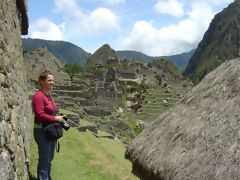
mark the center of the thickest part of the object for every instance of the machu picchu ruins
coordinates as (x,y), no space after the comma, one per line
(108,84)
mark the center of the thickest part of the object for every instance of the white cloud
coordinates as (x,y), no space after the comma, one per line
(79,22)
(66,6)
(171,7)
(172,39)
(100,20)
(91,24)
(45,29)
(113,2)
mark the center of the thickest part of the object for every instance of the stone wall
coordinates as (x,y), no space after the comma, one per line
(105,94)
(15,109)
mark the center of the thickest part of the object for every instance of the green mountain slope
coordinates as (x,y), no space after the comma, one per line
(66,52)
(168,67)
(69,53)
(101,56)
(221,42)
(180,60)
(135,55)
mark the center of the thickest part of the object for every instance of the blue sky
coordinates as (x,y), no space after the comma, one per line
(154,27)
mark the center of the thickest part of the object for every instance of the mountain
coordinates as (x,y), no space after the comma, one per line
(167,67)
(220,42)
(69,53)
(135,55)
(101,56)
(66,52)
(199,137)
(180,60)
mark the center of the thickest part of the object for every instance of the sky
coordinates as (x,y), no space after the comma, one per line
(153,27)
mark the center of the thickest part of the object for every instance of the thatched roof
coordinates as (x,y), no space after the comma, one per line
(198,138)
(22,8)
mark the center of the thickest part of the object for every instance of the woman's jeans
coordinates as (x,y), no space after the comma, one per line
(45,154)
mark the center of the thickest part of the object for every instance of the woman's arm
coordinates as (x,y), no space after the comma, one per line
(38,106)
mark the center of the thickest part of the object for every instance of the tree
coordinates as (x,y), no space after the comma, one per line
(72,70)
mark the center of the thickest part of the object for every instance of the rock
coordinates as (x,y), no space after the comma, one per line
(165,84)
(159,79)
(165,101)
(6,169)
(2,78)
(120,110)
(97,111)
(168,90)
(129,104)
(135,107)
(141,123)
(93,129)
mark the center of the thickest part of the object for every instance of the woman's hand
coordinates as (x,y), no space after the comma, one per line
(59,118)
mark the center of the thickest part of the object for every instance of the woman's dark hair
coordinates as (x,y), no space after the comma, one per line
(43,75)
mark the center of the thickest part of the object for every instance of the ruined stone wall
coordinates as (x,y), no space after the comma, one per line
(126,75)
(103,93)
(15,108)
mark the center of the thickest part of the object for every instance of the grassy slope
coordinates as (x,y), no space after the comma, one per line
(82,156)
(153,104)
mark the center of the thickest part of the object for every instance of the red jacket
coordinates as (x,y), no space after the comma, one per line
(44,107)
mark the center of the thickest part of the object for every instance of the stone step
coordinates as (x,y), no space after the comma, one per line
(70,88)
(85,94)
(150,111)
(160,104)
(147,109)
(147,117)
(162,95)
(160,100)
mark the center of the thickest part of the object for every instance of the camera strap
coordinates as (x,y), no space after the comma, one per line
(57,146)
(53,105)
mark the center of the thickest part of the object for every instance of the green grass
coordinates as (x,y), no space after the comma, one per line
(82,156)
(64,111)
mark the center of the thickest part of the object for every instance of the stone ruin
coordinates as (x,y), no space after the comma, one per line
(100,94)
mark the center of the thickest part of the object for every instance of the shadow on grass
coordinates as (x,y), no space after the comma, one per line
(32,177)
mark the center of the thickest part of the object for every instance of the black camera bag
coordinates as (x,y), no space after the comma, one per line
(53,131)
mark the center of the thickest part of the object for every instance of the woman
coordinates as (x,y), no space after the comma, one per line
(45,111)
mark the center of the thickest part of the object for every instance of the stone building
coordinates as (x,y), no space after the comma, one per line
(125,74)
(110,75)
(112,60)
(15,109)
